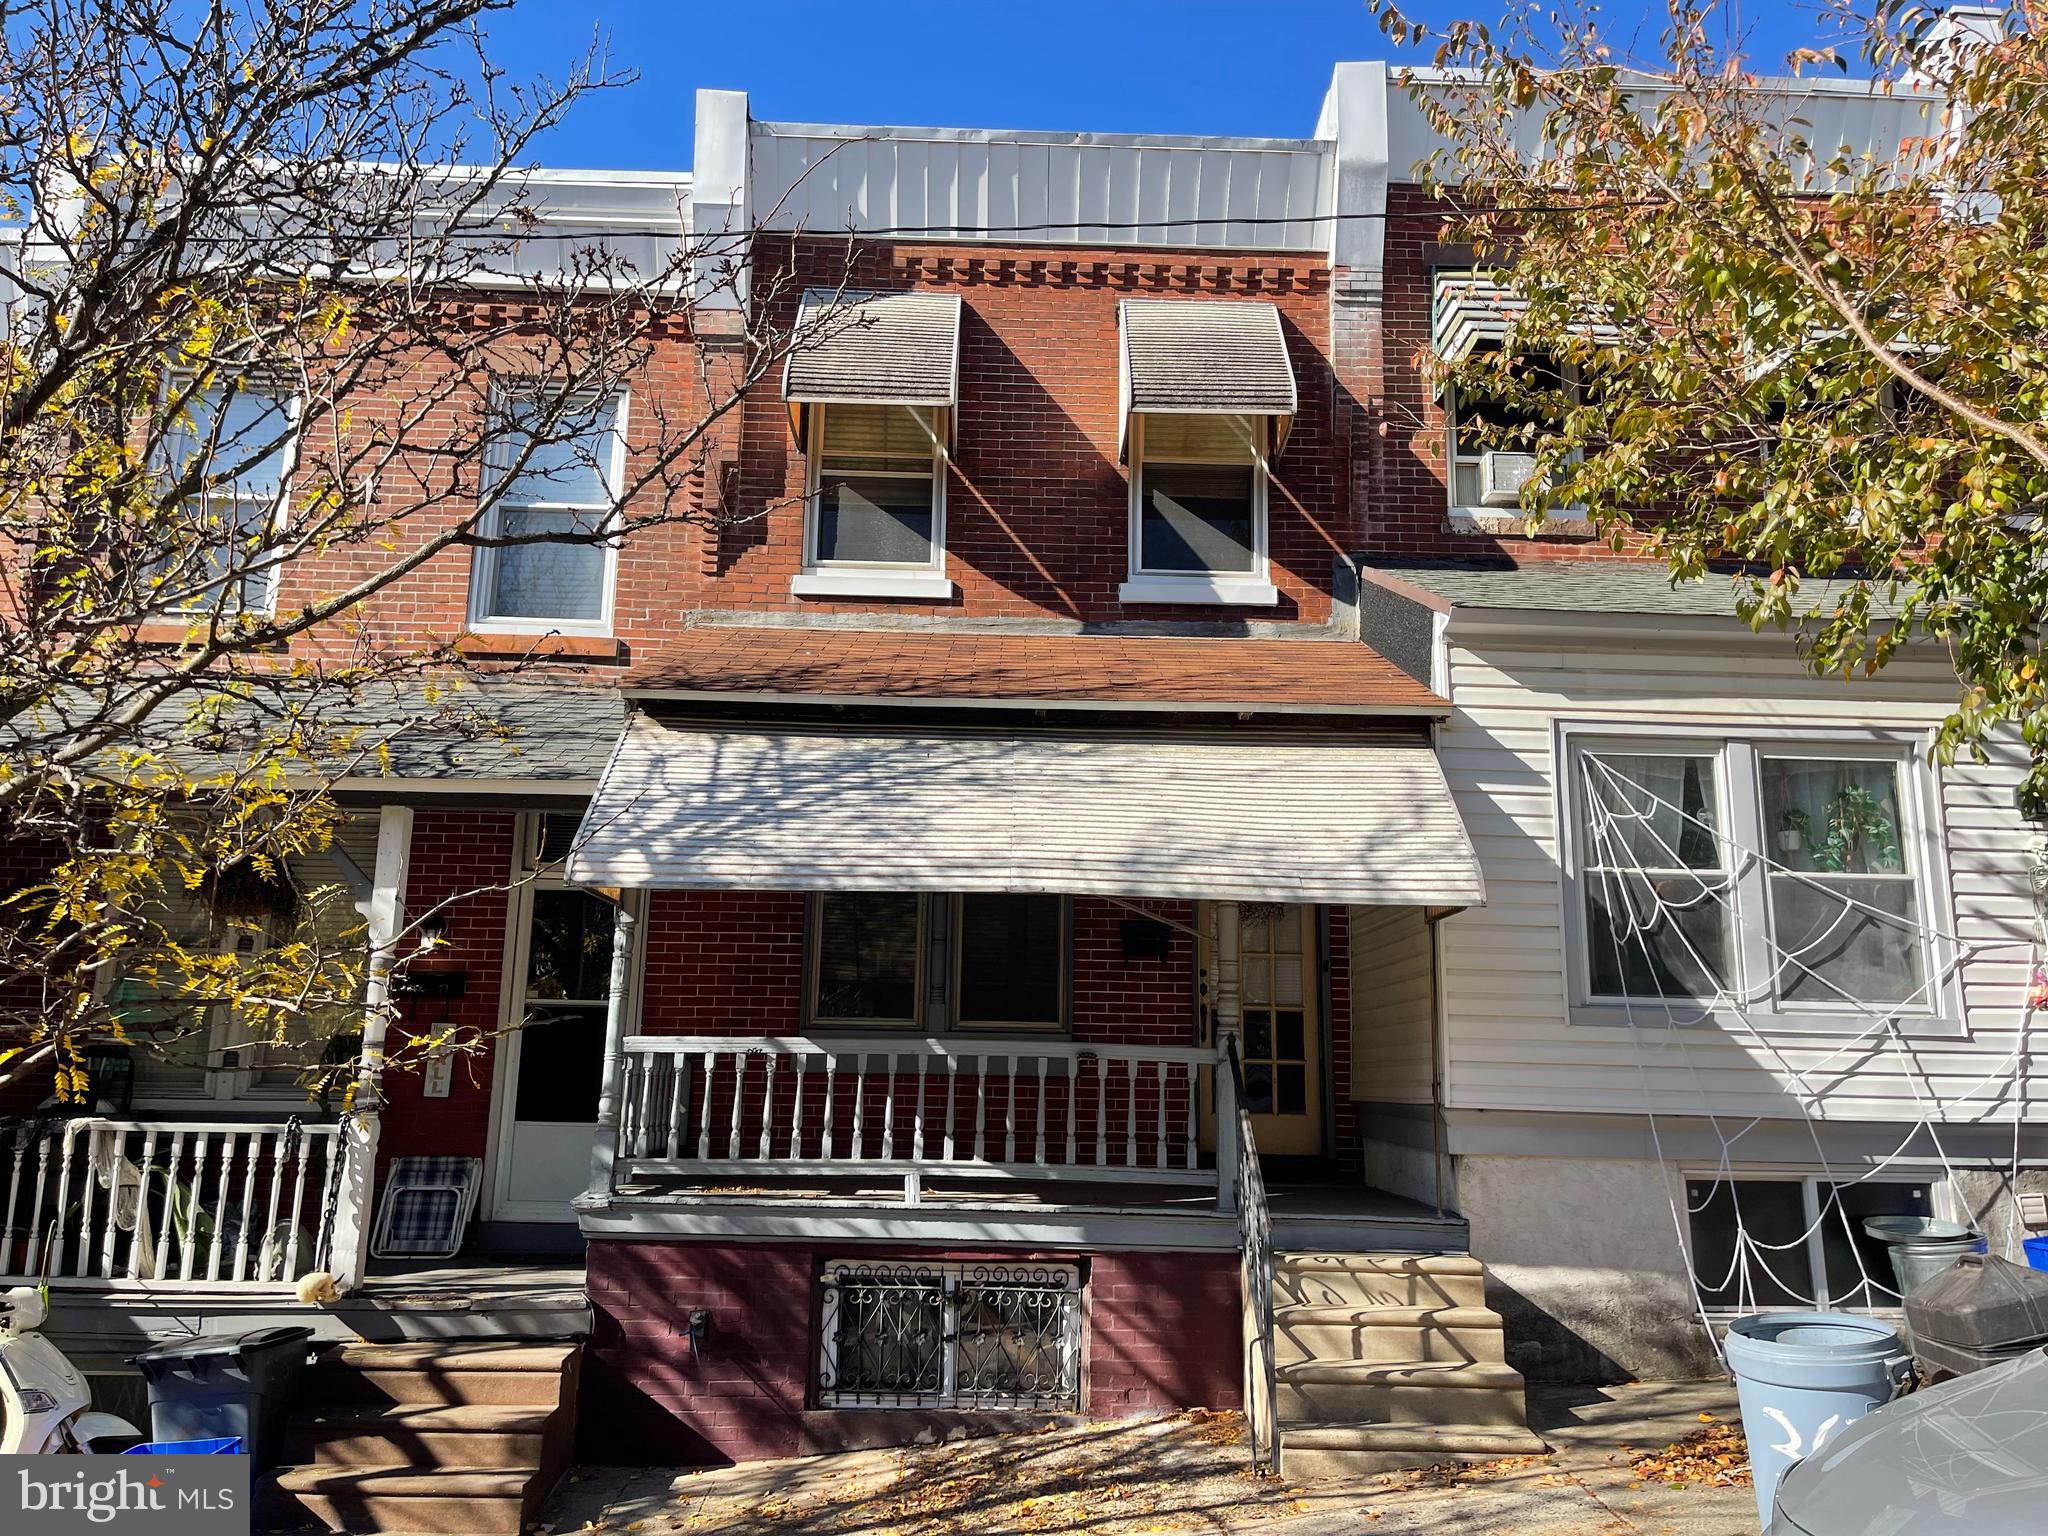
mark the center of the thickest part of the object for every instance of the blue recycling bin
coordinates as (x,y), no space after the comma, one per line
(226,1445)
(1802,1376)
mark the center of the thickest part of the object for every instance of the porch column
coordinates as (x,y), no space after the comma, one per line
(349,1247)
(604,1145)
(1229,1007)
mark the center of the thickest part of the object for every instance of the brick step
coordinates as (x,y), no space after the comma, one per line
(1481,1395)
(507,1436)
(419,1501)
(1387,1334)
(1310,1451)
(1379,1279)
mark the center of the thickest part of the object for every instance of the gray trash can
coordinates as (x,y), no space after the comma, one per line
(1801,1376)
(1922,1247)
(244,1385)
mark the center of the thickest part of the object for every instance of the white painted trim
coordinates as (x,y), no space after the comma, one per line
(1237,591)
(842,581)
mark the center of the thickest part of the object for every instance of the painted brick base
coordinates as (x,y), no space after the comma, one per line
(1162,1334)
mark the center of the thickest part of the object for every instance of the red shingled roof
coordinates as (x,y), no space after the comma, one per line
(1129,671)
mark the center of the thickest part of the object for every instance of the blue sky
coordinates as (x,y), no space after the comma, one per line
(1164,66)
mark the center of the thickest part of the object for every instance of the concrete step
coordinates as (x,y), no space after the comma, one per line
(1310,1451)
(1481,1395)
(444,1374)
(1380,1279)
(505,1436)
(419,1501)
(1387,1334)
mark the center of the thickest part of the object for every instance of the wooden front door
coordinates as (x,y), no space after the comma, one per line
(1283,1033)
(1283,1046)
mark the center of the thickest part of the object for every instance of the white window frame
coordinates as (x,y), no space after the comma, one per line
(1941,1203)
(1938,1010)
(1253,588)
(483,569)
(933,1014)
(949,1277)
(923,579)
(294,409)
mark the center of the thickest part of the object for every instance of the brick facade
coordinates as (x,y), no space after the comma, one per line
(1162,1332)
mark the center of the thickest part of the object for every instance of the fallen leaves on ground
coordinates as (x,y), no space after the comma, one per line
(1715,1454)
(1451,1474)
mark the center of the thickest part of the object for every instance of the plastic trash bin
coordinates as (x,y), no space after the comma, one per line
(2037,1252)
(1922,1247)
(1982,1311)
(211,1388)
(230,1445)
(1801,1376)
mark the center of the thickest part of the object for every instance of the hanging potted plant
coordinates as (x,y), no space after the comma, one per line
(1795,831)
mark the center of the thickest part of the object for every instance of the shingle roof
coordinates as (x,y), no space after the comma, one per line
(954,667)
(893,348)
(1563,586)
(1205,355)
(526,732)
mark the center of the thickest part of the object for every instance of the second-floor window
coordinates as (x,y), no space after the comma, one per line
(1492,447)
(552,477)
(219,545)
(877,498)
(1198,501)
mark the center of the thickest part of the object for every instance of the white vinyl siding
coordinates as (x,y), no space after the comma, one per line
(1393,1005)
(1510,1040)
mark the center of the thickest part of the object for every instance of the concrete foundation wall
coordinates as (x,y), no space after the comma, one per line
(1584,1264)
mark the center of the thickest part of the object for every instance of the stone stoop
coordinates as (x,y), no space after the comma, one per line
(426,1439)
(1388,1361)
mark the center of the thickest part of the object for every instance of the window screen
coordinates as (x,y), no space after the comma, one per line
(1011,959)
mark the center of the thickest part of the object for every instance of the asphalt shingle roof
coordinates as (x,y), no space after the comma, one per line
(1564,586)
(954,667)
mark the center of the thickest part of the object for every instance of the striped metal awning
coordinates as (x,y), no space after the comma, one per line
(862,348)
(1255,816)
(1204,357)
(1476,309)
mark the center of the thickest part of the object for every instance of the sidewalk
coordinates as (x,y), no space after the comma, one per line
(1189,1473)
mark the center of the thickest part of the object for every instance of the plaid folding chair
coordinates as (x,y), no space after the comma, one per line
(426,1207)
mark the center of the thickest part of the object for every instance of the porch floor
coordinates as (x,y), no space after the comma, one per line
(1319,1216)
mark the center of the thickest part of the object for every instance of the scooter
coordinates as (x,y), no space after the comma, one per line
(43,1399)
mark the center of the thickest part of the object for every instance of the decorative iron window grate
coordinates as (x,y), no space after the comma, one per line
(951,1336)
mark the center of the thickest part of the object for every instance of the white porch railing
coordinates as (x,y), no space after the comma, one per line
(169,1204)
(696,1106)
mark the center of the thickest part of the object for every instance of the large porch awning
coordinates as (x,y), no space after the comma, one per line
(1260,816)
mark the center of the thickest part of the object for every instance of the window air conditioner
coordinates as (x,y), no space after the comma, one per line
(1502,476)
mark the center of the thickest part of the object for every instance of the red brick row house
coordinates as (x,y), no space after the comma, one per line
(939,935)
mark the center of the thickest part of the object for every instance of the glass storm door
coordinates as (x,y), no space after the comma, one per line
(1283,1079)
(554,1052)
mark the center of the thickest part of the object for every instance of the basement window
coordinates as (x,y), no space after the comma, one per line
(973,1336)
(1790,1241)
